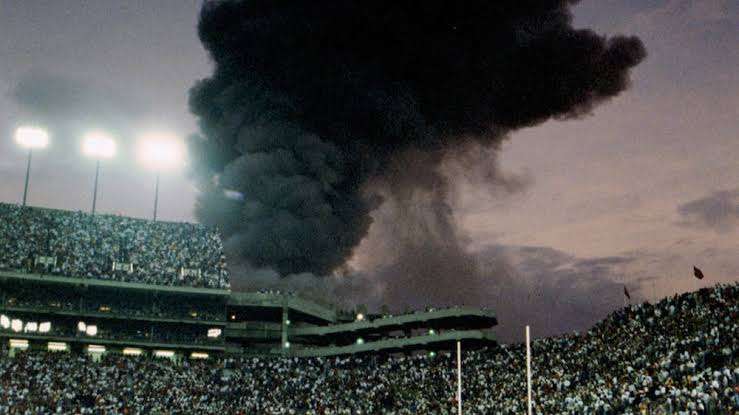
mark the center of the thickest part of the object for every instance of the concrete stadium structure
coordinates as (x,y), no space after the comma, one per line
(180,322)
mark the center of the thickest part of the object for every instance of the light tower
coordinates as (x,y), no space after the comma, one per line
(30,138)
(160,151)
(98,145)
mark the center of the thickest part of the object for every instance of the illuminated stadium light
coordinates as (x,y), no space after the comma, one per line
(432,354)
(95,348)
(91,330)
(360,340)
(31,137)
(104,309)
(287,322)
(160,150)
(44,327)
(18,344)
(81,326)
(57,346)
(163,353)
(432,332)
(31,327)
(233,316)
(199,355)
(16,325)
(360,317)
(98,145)
(286,345)
(4,321)
(132,351)
(214,333)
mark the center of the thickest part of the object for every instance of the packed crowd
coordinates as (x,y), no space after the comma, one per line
(76,244)
(678,356)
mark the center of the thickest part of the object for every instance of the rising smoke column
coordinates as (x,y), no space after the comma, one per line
(314,106)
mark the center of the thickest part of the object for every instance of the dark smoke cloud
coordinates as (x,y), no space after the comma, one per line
(320,112)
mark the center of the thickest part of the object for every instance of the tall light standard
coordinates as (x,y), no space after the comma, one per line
(99,146)
(30,138)
(160,151)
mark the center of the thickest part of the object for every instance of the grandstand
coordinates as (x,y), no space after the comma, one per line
(115,284)
(144,338)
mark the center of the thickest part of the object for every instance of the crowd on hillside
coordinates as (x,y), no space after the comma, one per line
(76,244)
(675,357)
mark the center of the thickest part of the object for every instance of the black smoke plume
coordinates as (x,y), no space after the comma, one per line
(318,112)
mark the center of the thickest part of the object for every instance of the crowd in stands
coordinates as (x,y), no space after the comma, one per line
(76,244)
(678,356)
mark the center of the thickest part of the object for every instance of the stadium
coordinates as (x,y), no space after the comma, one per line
(96,318)
(361,157)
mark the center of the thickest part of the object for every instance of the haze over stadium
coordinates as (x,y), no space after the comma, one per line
(545,227)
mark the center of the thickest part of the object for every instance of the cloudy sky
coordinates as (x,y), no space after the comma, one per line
(634,193)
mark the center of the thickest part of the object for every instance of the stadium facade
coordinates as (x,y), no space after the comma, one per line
(109,284)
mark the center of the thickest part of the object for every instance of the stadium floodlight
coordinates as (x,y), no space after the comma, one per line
(31,327)
(360,317)
(160,151)
(4,321)
(286,345)
(432,332)
(360,340)
(57,346)
(16,325)
(81,326)
(198,355)
(432,354)
(98,145)
(44,327)
(91,330)
(30,138)
(214,333)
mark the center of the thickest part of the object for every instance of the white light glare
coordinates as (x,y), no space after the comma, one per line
(161,150)
(16,325)
(98,145)
(31,327)
(198,355)
(18,344)
(4,321)
(81,326)
(44,327)
(163,353)
(57,346)
(213,333)
(95,348)
(132,351)
(92,330)
(31,137)
(360,317)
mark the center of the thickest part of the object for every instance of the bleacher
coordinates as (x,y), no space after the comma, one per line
(109,247)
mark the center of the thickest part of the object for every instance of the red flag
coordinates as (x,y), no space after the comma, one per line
(626,293)
(698,273)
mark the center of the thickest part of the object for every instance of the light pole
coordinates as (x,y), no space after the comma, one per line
(160,151)
(99,146)
(30,138)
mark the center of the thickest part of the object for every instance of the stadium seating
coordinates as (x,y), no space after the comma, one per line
(80,245)
(678,356)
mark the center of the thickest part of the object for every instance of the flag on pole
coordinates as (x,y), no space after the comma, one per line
(697,273)
(626,293)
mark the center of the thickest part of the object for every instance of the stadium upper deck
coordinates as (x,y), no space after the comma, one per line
(108,247)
